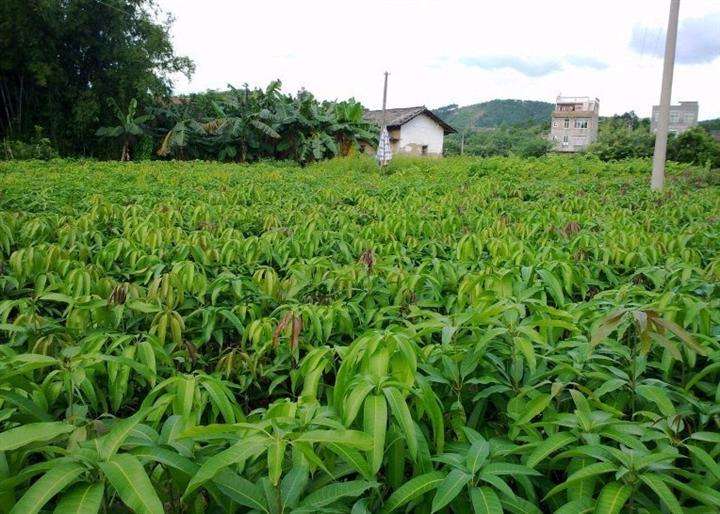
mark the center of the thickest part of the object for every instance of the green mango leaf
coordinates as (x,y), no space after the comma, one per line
(82,499)
(332,493)
(663,492)
(485,501)
(31,433)
(533,408)
(449,488)
(659,397)
(110,443)
(375,425)
(353,438)
(598,468)
(549,446)
(240,490)
(706,460)
(477,455)
(50,484)
(412,489)
(401,413)
(129,479)
(553,285)
(612,498)
(293,484)
(236,453)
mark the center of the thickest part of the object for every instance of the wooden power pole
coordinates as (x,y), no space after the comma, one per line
(658,172)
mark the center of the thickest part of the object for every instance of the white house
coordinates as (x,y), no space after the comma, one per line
(412,130)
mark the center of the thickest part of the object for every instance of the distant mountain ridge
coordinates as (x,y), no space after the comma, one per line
(496,113)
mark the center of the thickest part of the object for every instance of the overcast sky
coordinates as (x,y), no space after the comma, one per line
(453,51)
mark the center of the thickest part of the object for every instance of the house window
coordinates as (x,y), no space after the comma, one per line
(565,140)
(567,122)
(424,149)
(581,124)
(555,124)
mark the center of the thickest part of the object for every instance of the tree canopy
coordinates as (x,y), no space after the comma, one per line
(61,61)
(250,124)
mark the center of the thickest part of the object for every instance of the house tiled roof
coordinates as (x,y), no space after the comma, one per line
(396,117)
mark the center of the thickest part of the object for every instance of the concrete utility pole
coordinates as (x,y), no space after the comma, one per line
(384,99)
(658,171)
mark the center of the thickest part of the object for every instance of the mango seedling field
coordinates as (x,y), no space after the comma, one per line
(456,336)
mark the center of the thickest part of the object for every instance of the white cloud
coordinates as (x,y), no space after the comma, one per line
(698,40)
(528,67)
(584,61)
(338,49)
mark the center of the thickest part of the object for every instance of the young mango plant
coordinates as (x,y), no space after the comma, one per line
(453,335)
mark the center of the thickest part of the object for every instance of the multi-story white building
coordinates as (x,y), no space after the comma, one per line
(682,117)
(574,123)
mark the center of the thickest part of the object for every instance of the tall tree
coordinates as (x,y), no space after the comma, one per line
(60,61)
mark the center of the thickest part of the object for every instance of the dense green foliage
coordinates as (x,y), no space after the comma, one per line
(61,61)
(713,124)
(627,136)
(623,136)
(248,125)
(695,146)
(457,335)
(89,76)
(38,147)
(498,128)
(131,125)
(522,141)
(497,113)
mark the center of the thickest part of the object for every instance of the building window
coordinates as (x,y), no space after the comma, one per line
(565,140)
(674,117)
(424,149)
(555,124)
(581,124)
(567,122)
(689,117)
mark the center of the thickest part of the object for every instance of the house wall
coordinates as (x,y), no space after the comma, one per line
(418,132)
(410,138)
(394,135)
(682,117)
(394,139)
(577,138)
(581,114)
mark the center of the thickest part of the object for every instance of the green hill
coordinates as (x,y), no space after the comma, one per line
(496,113)
(713,124)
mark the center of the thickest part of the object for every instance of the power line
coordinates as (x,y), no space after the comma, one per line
(114,7)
